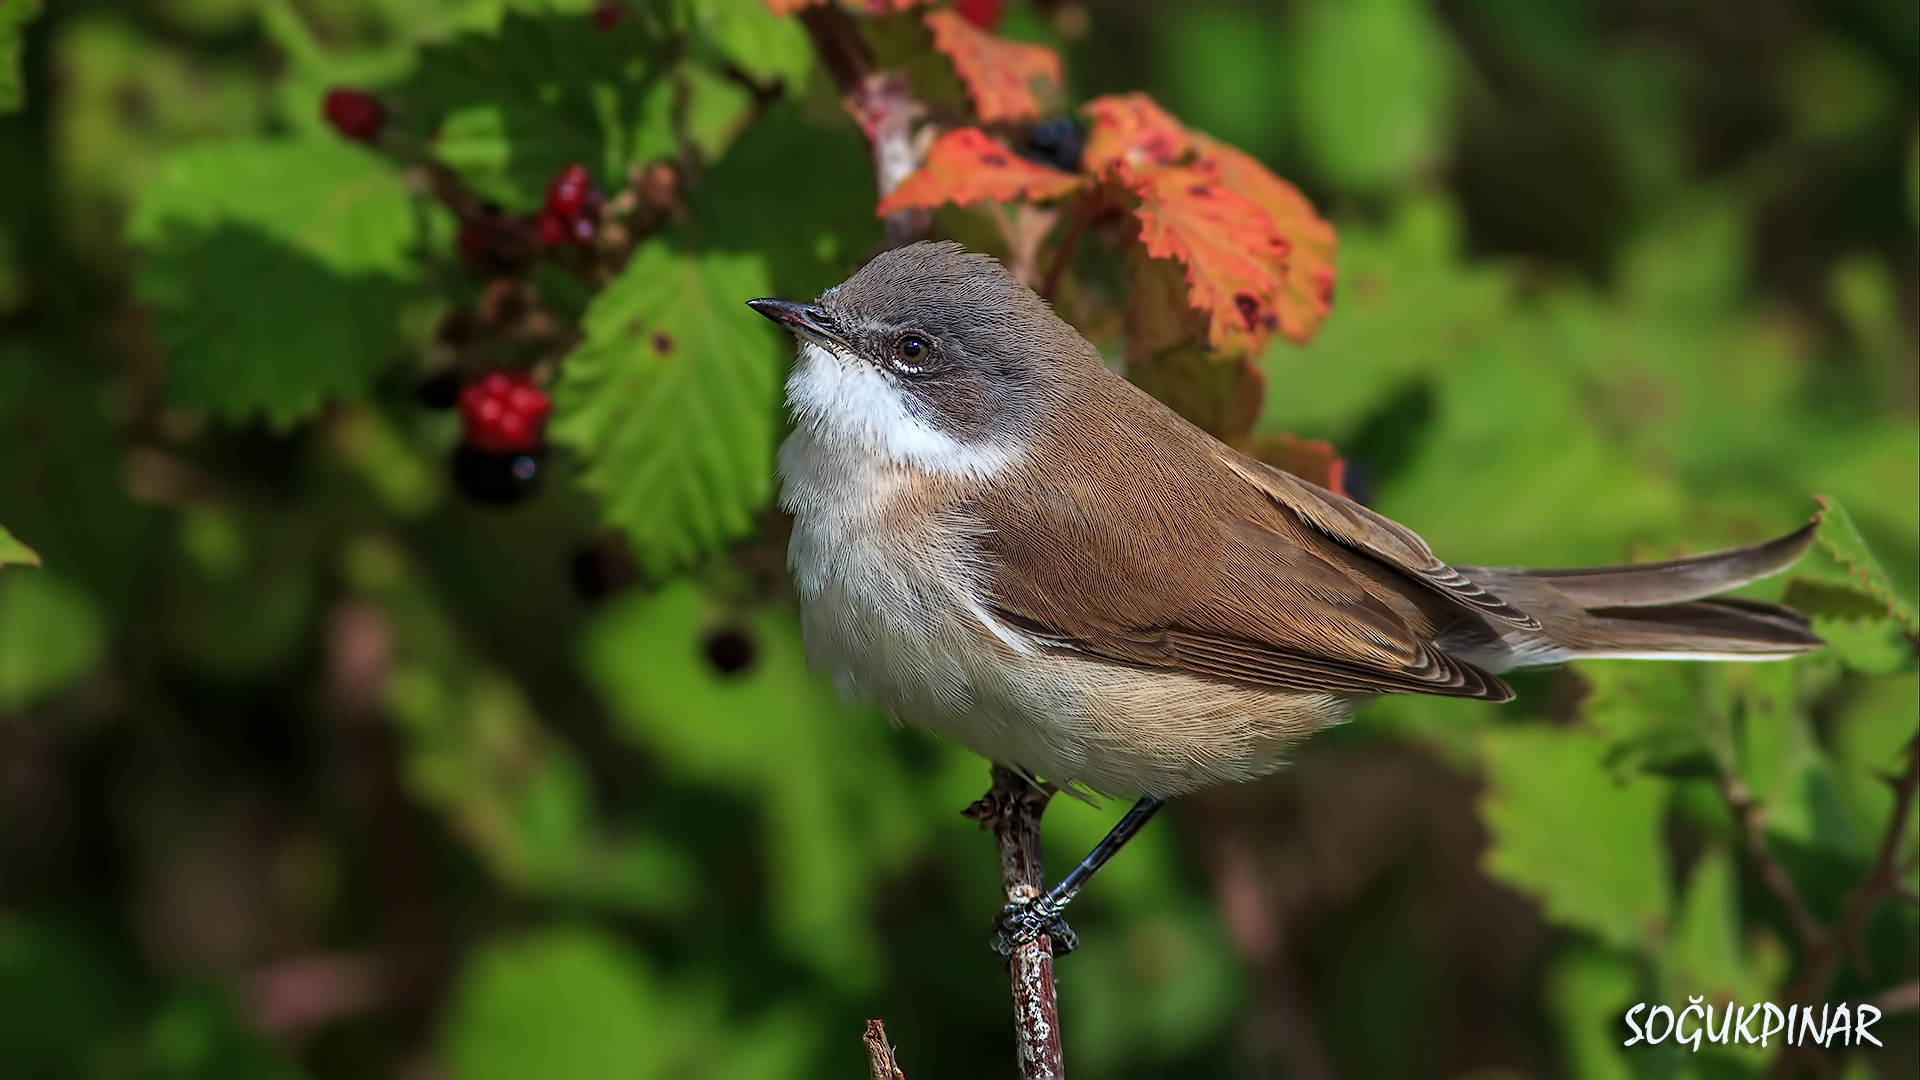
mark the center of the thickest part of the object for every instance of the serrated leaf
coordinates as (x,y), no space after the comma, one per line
(1840,537)
(50,635)
(15,553)
(966,166)
(1564,830)
(1307,296)
(671,402)
(1234,257)
(508,110)
(758,41)
(252,326)
(1129,134)
(14,16)
(1007,80)
(342,205)
(1706,957)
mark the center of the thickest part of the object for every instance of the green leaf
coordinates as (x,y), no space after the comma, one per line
(1840,538)
(340,204)
(15,553)
(252,326)
(50,636)
(14,16)
(1707,956)
(1566,831)
(571,1003)
(838,808)
(1652,716)
(509,110)
(822,167)
(58,998)
(764,46)
(671,402)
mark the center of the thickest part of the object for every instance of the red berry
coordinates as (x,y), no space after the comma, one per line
(354,113)
(553,229)
(984,14)
(608,16)
(582,231)
(504,413)
(568,191)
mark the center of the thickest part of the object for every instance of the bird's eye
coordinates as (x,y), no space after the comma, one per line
(912,351)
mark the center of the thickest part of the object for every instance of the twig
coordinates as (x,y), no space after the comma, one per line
(1753,830)
(1085,209)
(882,103)
(1012,809)
(1898,999)
(881,1062)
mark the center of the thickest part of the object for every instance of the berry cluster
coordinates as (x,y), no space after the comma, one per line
(572,210)
(503,418)
(355,114)
(1054,142)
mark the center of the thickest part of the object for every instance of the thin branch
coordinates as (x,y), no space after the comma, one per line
(1012,809)
(882,1064)
(1880,882)
(1086,208)
(1753,830)
(882,103)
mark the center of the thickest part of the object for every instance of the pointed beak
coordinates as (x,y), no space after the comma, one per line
(806,320)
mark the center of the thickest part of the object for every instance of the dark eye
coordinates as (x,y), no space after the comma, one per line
(912,350)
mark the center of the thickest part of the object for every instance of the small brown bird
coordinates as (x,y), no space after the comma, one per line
(997,538)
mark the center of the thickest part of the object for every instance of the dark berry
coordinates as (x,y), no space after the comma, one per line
(504,413)
(730,651)
(495,244)
(499,479)
(984,14)
(440,391)
(607,16)
(582,231)
(553,229)
(354,113)
(1054,142)
(568,191)
(472,243)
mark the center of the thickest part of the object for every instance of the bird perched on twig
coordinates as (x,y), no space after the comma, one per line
(997,538)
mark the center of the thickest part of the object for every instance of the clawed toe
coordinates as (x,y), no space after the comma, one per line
(1020,923)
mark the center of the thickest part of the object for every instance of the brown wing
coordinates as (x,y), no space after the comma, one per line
(1177,553)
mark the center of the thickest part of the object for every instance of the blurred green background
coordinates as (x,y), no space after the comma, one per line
(311,767)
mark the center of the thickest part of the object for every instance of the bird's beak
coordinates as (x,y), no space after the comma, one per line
(806,320)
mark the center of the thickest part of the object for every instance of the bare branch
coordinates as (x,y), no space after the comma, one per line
(1753,830)
(1012,809)
(881,1062)
(882,103)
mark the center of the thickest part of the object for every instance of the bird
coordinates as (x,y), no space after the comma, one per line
(999,539)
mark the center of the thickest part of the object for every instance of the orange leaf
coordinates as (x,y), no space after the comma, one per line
(966,167)
(1308,292)
(1309,459)
(1131,133)
(1234,256)
(1000,75)
(788,7)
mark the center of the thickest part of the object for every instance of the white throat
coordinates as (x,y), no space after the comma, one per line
(849,408)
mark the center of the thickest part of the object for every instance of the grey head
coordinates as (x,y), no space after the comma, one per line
(927,351)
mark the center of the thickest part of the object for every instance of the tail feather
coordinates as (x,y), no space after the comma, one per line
(1664,610)
(1674,581)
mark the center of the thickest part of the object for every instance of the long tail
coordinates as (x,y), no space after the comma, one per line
(1664,610)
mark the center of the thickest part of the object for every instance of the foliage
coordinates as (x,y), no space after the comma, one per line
(311,765)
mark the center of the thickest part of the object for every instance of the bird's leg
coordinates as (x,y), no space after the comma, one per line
(1021,923)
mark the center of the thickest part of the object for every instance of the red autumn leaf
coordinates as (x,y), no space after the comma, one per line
(966,167)
(1235,259)
(1130,133)
(1308,292)
(1309,459)
(1000,75)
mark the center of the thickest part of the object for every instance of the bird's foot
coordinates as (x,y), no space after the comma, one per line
(1023,922)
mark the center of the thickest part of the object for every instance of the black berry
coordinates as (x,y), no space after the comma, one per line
(1054,142)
